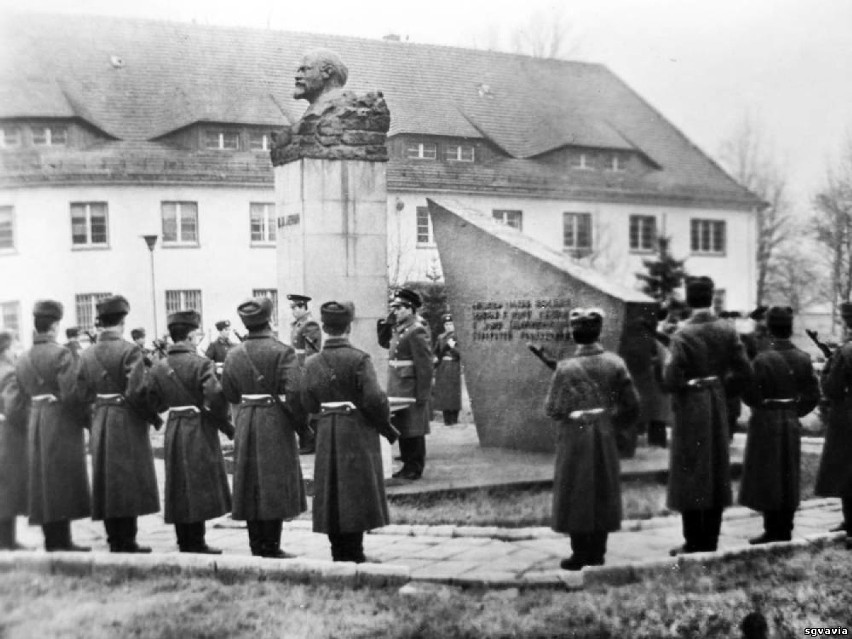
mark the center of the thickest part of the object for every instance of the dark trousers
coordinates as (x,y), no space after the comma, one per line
(121,532)
(57,535)
(191,536)
(7,534)
(589,548)
(413,453)
(450,417)
(657,434)
(264,535)
(701,529)
(778,524)
(846,502)
(347,547)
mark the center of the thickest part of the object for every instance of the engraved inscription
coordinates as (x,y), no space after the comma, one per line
(528,320)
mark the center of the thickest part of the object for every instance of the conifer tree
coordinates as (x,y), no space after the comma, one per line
(664,274)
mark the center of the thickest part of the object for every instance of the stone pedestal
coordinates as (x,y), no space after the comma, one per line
(332,241)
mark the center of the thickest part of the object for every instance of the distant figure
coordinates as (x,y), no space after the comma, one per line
(218,348)
(138,337)
(72,335)
(754,626)
(704,352)
(446,395)
(340,386)
(783,389)
(306,339)
(13,450)
(591,396)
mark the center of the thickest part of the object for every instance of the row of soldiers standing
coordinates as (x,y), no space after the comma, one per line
(50,396)
(593,397)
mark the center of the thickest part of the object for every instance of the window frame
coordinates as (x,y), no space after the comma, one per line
(576,216)
(639,248)
(86,319)
(48,131)
(4,143)
(459,155)
(6,250)
(14,310)
(269,230)
(419,212)
(89,244)
(183,305)
(502,216)
(616,164)
(714,237)
(265,292)
(179,243)
(221,137)
(266,142)
(581,162)
(421,151)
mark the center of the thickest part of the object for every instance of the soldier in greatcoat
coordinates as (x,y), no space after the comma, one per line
(704,352)
(72,335)
(261,375)
(783,389)
(13,449)
(446,395)
(340,385)
(410,375)
(186,385)
(43,386)
(219,347)
(834,477)
(591,396)
(113,377)
(306,339)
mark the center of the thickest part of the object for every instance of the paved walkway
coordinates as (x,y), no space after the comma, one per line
(460,555)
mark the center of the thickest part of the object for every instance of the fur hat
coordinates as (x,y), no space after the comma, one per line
(699,292)
(188,318)
(255,312)
(113,305)
(337,314)
(48,308)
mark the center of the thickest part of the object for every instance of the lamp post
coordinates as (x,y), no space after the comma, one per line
(151,241)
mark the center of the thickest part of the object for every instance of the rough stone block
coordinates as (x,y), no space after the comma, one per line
(609,575)
(76,564)
(129,566)
(34,561)
(198,565)
(381,575)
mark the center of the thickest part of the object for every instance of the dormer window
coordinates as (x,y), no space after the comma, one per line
(616,163)
(10,137)
(422,151)
(50,135)
(222,140)
(582,161)
(459,152)
(258,141)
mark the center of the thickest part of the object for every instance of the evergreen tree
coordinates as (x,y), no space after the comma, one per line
(664,274)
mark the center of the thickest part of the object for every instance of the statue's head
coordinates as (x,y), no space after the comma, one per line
(319,71)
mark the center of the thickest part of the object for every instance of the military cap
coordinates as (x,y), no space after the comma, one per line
(407,297)
(446,317)
(591,315)
(699,291)
(759,313)
(48,308)
(337,314)
(299,299)
(188,318)
(779,317)
(255,311)
(72,331)
(136,333)
(6,339)
(113,305)
(220,326)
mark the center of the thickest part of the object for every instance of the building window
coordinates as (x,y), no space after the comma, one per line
(89,224)
(7,228)
(10,315)
(616,163)
(458,153)
(50,135)
(86,308)
(515,219)
(180,222)
(272,294)
(422,151)
(577,233)
(183,301)
(10,137)
(222,140)
(258,141)
(262,216)
(424,226)
(643,233)
(708,237)
(582,161)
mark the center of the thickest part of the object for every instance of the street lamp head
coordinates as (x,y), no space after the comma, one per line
(151,241)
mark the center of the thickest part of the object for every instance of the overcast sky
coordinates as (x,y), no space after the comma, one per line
(703,64)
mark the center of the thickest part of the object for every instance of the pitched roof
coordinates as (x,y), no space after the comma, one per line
(174,74)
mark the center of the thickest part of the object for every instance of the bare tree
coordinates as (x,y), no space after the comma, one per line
(795,279)
(545,33)
(749,160)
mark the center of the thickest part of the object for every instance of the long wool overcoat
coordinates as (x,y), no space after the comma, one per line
(410,375)
(771,467)
(267,475)
(586,484)
(446,395)
(196,481)
(699,471)
(58,483)
(13,445)
(834,478)
(349,483)
(124,482)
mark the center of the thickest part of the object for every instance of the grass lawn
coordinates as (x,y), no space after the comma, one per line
(513,507)
(794,591)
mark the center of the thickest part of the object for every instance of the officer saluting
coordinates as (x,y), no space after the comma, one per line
(44,384)
(261,375)
(112,376)
(340,385)
(410,375)
(306,339)
(185,384)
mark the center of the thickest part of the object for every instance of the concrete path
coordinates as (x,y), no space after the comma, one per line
(458,555)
